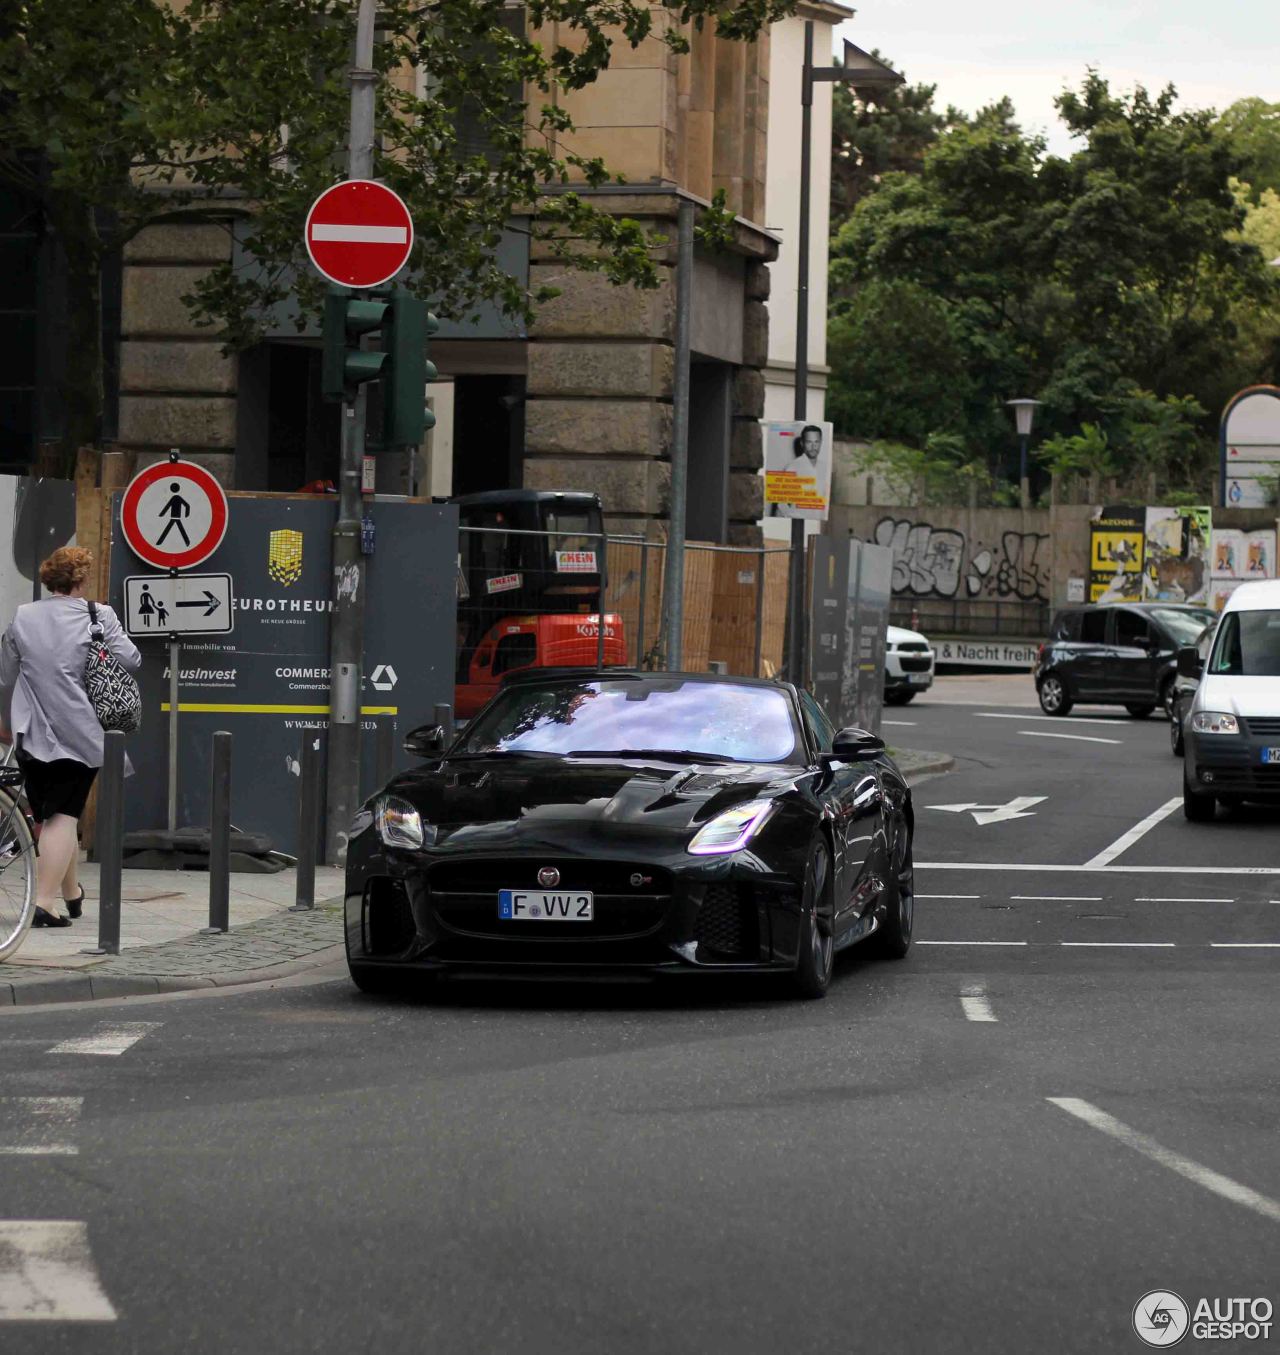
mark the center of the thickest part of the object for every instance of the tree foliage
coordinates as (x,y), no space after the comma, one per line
(1113,284)
(116,114)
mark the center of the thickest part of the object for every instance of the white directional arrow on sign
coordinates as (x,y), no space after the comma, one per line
(1017,808)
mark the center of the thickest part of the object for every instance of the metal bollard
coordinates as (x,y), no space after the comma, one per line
(304,899)
(110,843)
(384,750)
(443,716)
(220,837)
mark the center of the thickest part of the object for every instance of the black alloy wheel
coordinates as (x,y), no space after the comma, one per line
(1176,741)
(1054,697)
(893,940)
(1169,697)
(898,698)
(1196,806)
(817,940)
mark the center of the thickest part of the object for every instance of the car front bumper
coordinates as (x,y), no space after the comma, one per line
(1231,764)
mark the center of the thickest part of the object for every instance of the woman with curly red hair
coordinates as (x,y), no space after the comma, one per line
(42,658)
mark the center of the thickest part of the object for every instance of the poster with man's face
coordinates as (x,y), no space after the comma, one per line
(797,470)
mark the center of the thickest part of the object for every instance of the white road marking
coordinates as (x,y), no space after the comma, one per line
(107,1038)
(1123,945)
(900,724)
(38,1126)
(1166,1157)
(1126,840)
(1244,945)
(47,1273)
(1091,869)
(1079,738)
(971,943)
(1017,808)
(1057,719)
(1056,898)
(361,234)
(973,998)
(948,896)
(1184,900)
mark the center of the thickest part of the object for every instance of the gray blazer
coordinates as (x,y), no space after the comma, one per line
(42,677)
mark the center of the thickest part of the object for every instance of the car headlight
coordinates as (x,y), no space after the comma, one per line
(399,824)
(1214,722)
(732,830)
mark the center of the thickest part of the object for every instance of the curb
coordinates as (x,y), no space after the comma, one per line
(37,992)
(933,764)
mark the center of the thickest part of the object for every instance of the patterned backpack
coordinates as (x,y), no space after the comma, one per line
(113,693)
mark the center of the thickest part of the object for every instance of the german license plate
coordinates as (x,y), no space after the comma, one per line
(537,905)
(918,679)
(1271,755)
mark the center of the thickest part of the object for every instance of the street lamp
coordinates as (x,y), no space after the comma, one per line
(863,71)
(1024,414)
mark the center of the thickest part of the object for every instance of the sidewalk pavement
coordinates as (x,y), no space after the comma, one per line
(161,948)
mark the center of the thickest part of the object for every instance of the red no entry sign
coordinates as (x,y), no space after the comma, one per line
(359,233)
(174,515)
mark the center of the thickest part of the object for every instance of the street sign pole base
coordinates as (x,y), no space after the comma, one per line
(213,931)
(301,908)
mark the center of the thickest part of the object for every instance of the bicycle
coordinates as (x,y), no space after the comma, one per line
(17,862)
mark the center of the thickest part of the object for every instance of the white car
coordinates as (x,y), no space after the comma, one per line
(908,665)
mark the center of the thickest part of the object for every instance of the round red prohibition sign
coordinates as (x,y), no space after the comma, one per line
(174,515)
(359,233)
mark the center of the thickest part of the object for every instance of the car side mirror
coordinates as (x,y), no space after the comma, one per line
(1190,665)
(425,741)
(853,745)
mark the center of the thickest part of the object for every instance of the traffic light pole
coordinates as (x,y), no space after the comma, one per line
(347,584)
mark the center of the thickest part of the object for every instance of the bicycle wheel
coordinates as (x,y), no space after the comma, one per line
(17,876)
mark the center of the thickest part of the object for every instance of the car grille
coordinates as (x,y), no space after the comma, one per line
(464,897)
(913,647)
(728,926)
(1263,727)
(389,928)
(914,665)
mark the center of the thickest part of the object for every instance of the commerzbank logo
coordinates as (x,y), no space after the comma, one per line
(284,556)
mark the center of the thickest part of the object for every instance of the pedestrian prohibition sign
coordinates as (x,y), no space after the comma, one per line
(174,515)
(359,233)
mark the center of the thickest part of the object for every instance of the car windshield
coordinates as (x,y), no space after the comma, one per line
(1184,626)
(1248,645)
(612,718)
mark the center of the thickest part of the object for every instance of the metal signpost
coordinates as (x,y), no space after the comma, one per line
(174,516)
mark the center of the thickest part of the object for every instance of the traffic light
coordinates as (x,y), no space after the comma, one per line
(345,365)
(405,416)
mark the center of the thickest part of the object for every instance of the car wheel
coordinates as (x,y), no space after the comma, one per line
(897,698)
(1197,807)
(1141,711)
(817,941)
(893,940)
(1054,697)
(1176,741)
(1169,697)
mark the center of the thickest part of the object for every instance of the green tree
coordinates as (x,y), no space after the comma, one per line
(1253,128)
(116,114)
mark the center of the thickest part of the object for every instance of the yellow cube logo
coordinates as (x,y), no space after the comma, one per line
(284,556)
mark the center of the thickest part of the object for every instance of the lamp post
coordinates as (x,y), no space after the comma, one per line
(863,71)
(1024,414)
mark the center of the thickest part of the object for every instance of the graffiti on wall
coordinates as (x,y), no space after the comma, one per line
(933,561)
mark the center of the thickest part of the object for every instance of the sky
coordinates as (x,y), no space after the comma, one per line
(977,50)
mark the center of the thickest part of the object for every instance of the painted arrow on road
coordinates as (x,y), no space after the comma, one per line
(1017,808)
(209,602)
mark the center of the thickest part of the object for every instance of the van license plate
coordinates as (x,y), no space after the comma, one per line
(1271,755)
(535,905)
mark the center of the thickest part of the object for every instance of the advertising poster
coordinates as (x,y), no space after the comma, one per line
(1115,554)
(267,682)
(1260,554)
(1176,555)
(797,470)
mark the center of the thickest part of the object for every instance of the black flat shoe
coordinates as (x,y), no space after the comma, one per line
(47,919)
(75,906)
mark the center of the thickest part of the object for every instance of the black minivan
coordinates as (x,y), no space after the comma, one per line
(1116,654)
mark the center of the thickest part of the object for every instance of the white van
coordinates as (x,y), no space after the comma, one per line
(1232,732)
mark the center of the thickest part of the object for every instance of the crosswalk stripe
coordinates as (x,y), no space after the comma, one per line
(39,1126)
(107,1038)
(47,1273)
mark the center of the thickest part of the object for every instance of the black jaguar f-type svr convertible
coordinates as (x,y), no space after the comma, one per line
(629,821)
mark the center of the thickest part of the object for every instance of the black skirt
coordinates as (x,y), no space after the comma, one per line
(58,787)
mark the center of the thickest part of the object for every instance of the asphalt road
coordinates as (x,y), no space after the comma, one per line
(1064,1098)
